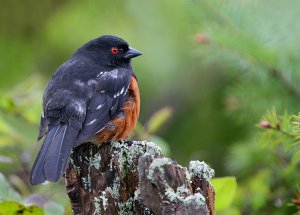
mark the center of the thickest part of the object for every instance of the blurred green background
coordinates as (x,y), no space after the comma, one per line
(211,70)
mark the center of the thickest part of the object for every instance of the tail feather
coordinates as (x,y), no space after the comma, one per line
(59,152)
(54,154)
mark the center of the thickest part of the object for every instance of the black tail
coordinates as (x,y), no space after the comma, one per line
(54,154)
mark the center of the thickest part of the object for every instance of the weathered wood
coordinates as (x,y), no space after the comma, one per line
(133,178)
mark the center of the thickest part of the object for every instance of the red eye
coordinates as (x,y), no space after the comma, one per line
(114,50)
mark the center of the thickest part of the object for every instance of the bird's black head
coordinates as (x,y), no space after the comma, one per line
(109,50)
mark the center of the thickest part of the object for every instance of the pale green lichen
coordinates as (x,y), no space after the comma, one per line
(128,154)
(115,188)
(184,195)
(187,175)
(179,195)
(201,170)
(97,206)
(104,200)
(171,195)
(101,200)
(126,208)
(157,164)
(137,194)
(76,167)
(96,161)
(86,182)
(197,199)
(152,148)
(183,190)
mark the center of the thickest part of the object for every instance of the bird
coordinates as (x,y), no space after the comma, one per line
(92,97)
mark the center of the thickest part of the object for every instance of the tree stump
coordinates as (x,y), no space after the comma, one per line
(133,177)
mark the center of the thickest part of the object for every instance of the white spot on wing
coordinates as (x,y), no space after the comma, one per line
(110,74)
(122,90)
(91,82)
(99,74)
(91,122)
(100,130)
(79,106)
(48,103)
(78,83)
(114,73)
(119,93)
(99,106)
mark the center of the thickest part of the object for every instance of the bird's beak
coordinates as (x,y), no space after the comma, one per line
(131,53)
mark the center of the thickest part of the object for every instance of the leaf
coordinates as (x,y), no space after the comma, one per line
(225,189)
(158,119)
(10,207)
(6,192)
(259,187)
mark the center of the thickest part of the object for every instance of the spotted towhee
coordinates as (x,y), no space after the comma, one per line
(93,97)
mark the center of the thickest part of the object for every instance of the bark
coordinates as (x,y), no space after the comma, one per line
(133,177)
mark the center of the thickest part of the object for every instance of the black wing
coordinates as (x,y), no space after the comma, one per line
(106,102)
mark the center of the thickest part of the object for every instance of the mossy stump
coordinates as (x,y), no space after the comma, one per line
(133,177)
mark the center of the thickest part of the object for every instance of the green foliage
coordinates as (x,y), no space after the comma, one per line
(10,207)
(269,177)
(158,118)
(225,189)
(9,200)
(249,42)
